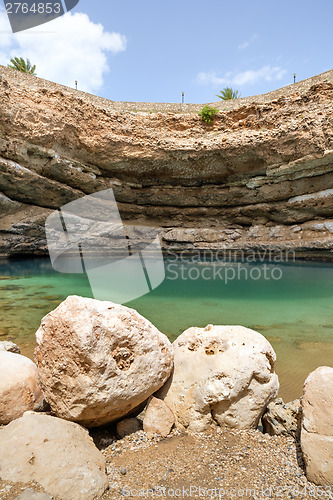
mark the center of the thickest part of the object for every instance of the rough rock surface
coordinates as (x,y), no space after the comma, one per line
(317,426)
(57,454)
(282,418)
(6,345)
(223,375)
(260,175)
(97,360)
(158,419)
(19,390)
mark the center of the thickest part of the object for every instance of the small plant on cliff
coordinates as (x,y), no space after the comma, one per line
(228,93)
(207,113)
(22,65)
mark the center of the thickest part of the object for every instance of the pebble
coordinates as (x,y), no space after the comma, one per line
(30,494)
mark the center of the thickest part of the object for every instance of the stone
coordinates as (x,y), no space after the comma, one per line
(158,419)
(222,375)
(30,494)
(57,454)
(282,418)
(19,390)
(8,346)
(97,360)
(128,426)
(317,426)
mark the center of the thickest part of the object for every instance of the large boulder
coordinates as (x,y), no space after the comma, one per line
(317,426)
(97,361)
(59,455)
(223,375)
(19,390)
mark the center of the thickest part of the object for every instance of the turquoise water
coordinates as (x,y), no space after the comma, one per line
(295,313)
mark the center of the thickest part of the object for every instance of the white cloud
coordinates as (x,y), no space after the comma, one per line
(75,49)
(249,42)
(249,77)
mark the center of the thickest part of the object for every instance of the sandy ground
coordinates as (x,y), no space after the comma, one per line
(220,464)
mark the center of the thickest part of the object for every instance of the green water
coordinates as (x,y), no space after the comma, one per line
(295,313)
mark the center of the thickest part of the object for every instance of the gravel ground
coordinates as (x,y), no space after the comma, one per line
(223,463)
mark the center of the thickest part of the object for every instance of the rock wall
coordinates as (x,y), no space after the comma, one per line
(261,175)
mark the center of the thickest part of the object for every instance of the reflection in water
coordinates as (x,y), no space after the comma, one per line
(294,313)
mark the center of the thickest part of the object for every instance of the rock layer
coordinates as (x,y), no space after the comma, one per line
(264,163)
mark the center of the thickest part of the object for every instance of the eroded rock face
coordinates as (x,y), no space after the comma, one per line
(282,418)
(244,170)
(317,426)
(223,375)
(19,390)
(99,360)
(59,455)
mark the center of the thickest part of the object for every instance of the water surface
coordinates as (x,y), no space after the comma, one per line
(294,313)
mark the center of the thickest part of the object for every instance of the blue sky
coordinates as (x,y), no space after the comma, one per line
(145,50)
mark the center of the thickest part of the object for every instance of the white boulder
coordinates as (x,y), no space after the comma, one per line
(222,375)
(317,426)
(99,360)
(19,390)
(58,455)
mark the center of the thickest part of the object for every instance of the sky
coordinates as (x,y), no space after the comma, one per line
(153,50)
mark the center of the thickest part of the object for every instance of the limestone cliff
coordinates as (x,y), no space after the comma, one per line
(260,175)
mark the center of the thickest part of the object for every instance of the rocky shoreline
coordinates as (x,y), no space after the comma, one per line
(162,418)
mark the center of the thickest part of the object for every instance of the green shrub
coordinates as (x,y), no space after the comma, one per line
(207,113)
